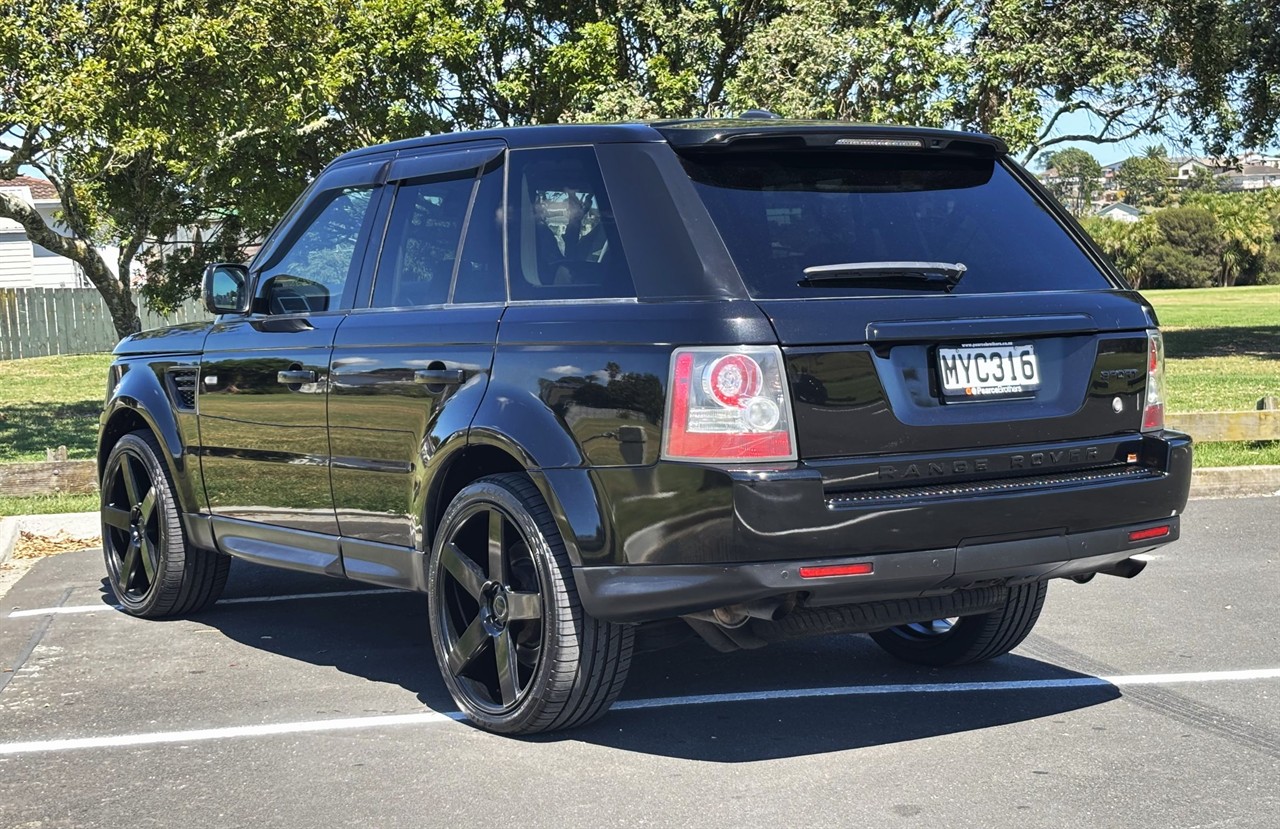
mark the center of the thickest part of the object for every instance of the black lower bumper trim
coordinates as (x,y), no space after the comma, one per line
(639,593)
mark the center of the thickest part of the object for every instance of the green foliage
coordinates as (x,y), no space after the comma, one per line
(1187,254)
(1077,182)
(203,120)
(1145,179)
(1125,242)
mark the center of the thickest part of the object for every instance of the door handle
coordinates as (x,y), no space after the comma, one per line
(295,377)
(439,376)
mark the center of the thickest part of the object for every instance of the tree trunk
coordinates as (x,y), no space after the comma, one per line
(114,291)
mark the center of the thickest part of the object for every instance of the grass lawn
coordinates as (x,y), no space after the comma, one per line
(1222,346)
(48,504)
(47,402)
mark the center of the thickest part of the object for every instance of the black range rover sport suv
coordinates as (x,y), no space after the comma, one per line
(584,386)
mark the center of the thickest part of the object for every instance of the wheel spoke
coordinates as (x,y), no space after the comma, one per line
(497,545)
(464,570)
(148,505)
(116,517)
(508,668)
(524,606)
(127,565)
(130,482)
(146,552)
(468,646)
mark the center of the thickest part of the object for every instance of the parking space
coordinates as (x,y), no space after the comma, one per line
(300,701)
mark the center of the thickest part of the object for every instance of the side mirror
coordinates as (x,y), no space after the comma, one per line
(226,288)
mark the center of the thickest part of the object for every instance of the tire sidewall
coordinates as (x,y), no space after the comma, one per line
(139,446)
(551,587)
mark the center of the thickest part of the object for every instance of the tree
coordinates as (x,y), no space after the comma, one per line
(1126,243)
(1188,254)
(1247,225)
(1076,180)
(146,118)
(1145,178)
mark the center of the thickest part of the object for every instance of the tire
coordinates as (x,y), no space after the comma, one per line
(969,638)
(516,650)
(153,569)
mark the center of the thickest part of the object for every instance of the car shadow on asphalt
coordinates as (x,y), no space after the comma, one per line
(384,638)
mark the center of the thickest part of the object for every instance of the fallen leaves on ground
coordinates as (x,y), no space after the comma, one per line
(31,545)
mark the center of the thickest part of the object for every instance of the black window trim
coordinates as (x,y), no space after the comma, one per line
(426,164)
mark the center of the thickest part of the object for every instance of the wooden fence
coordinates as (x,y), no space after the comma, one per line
(40,322)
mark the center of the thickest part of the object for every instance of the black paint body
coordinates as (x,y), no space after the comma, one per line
(346,470)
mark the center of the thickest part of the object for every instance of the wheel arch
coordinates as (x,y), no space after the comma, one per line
(140,403)
(569,492)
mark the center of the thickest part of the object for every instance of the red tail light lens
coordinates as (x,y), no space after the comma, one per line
(1153,404)
(728,404)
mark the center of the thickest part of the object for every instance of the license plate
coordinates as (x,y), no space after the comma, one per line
(988,370)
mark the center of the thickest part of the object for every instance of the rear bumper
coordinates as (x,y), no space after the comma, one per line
(636,594)
(683,538)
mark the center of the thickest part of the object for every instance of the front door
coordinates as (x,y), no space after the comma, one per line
(265,380)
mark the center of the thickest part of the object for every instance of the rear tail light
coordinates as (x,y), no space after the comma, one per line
(1153,404)
(728,404)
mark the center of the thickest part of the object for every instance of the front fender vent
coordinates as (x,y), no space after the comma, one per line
(182,387)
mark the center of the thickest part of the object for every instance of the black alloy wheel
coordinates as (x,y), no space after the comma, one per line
(515,648)
(152,570)
(966,639)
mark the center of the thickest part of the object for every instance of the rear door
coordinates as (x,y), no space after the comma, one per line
(411,364)
(1034,345)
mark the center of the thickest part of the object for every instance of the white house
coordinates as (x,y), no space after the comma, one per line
(1120,212)
(27,265)
(1252,177)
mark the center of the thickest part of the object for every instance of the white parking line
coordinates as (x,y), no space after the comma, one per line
(96,608)
(437,718)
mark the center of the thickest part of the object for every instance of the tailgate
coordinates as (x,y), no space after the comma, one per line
(881,376)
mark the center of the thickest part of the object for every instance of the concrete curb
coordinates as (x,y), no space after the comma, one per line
(8,537)
(75,524)
(1235,481)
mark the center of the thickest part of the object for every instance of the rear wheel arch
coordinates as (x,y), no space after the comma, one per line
(466,466)
(569,493)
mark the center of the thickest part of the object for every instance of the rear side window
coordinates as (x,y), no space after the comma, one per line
(421,245)
(564,241)
(782,212)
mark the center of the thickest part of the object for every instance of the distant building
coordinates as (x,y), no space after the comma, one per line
(1120,212)
(1251,177)
(24,264)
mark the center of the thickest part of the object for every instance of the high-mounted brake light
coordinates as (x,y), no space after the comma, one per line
(728,404)
(1153,404)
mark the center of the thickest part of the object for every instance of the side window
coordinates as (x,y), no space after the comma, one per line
(421,245)
(564,243)
(480,276)
(316,269)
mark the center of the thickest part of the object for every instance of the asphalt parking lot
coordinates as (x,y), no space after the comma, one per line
(1151,702)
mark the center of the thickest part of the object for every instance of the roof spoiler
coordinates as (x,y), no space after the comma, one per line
(741,134)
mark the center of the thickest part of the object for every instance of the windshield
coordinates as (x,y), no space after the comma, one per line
(782,212)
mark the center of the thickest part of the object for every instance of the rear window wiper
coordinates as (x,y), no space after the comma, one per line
(947,273)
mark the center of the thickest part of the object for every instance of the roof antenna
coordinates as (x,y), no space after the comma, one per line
(760,113)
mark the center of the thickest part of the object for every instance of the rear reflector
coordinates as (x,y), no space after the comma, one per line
(1149,533)
(862,568)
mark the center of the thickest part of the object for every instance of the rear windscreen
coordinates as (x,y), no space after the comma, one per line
(782,212)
